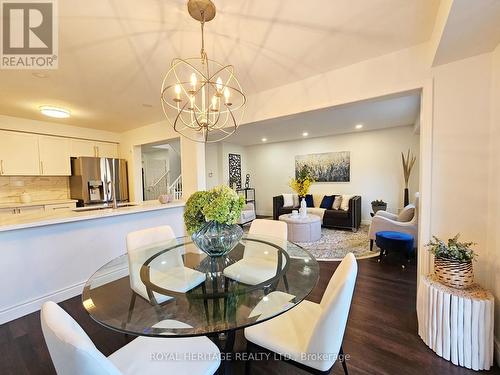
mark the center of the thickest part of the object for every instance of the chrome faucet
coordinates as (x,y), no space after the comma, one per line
(113,185)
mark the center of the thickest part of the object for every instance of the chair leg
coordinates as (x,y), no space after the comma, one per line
(344,363)
(131,307)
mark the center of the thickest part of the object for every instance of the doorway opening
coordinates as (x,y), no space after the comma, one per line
(161,169)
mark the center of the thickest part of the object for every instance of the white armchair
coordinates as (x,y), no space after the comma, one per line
(386,221)
(247,214)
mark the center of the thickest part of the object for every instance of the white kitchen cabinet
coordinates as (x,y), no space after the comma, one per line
(107,150)
(30,210)
(60,207)
(6,211)
(19,154)
(54,156)
(81,147)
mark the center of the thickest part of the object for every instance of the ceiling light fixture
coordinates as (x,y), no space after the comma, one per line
(202,98)
(264,139)
(359,126)
(305,134)
(54,111)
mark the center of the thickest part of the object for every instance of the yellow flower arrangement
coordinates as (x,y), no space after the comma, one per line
(302,182)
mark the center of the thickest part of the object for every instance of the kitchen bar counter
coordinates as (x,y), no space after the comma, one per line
(50,256)
(15,222)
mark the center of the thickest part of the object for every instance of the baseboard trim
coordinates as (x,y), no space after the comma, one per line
(366,222)
(17,311)
(497,350)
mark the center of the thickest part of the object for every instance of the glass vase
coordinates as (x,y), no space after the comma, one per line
(217,239)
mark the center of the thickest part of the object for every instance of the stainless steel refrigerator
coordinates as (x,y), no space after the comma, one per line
(92,179)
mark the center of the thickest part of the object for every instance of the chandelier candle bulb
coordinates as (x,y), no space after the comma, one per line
(193,82)
(218,85)
(227,95)
(177,90)
(214,103)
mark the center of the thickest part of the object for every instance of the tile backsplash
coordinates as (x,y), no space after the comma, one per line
(41,188)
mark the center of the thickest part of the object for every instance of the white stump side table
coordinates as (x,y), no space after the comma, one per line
(306,229)
(457,324)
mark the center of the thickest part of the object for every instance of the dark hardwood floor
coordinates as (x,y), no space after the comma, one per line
(380,338)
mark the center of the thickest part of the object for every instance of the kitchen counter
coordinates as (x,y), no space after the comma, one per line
(15,222)
(36,203)
(50,256)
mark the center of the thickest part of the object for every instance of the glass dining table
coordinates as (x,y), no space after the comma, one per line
(172,289)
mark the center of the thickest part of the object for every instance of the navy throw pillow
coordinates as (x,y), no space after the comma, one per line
(309,200)
(327,202)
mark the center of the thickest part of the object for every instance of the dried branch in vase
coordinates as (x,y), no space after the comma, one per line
(408,163)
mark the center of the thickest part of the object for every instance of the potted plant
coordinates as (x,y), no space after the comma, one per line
(379,205)
(301,184)
(453,261)
(211,217)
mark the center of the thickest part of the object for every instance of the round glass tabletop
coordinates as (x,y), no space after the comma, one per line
(174,289)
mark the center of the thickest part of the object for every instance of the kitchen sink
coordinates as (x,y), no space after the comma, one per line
(108,207)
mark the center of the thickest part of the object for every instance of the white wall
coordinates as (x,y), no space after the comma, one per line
(376,170)
(192,157)
(217,163)
(493,258)
(461,154)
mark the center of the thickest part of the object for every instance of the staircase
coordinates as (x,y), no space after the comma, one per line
(162,186)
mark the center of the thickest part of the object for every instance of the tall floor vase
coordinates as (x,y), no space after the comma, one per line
(407,197)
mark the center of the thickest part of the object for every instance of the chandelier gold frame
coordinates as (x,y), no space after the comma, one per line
(202,98)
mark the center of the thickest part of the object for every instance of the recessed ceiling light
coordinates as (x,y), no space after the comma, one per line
(305,134)
(264,139)
(40,75)
(147,105)
(359,126)
(54,111)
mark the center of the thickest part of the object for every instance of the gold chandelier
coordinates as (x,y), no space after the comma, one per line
(202,98)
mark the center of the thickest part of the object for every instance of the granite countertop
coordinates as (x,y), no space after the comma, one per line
(14,222)
(36,203)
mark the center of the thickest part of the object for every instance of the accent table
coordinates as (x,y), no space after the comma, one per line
(306,229)
(457,324)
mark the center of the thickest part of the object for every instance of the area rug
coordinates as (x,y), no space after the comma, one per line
(336,243)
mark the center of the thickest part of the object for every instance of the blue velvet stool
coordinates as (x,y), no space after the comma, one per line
(399,242)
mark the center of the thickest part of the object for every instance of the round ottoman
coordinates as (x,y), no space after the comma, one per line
(299,229)
(395,241)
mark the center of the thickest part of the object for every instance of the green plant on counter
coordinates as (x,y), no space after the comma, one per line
(221,204)
(378,202)
(452,250)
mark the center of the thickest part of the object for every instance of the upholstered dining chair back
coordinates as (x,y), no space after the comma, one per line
(329,329)
(71,350)
(141,245)
(272,231)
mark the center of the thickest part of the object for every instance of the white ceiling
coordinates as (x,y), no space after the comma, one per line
(470,30)
(114,53)
(380,113)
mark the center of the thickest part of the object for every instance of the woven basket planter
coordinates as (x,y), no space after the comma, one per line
(452,273)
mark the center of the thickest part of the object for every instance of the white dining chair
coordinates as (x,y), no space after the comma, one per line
(168,272)
(259,263)
(310,328)
(74,353)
